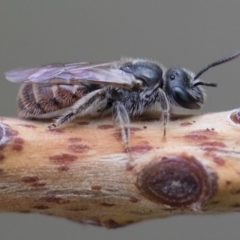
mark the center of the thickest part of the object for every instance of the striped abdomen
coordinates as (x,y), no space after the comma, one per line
(35,100)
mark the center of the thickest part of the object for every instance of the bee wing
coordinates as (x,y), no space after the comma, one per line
(73,73)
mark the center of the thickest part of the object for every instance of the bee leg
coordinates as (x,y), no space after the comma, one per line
(81,107)
(165,109)
(121,115)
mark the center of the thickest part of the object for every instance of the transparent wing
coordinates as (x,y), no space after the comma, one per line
(105,73)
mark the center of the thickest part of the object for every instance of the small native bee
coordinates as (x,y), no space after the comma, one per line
(127,87)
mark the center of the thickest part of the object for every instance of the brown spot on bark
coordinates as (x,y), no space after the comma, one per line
(195,137)
(18,141)
(77,209)
(135,129)
(218,160)
(142,147)
(105,204)
(117,135)
(13,132)
(228,182)
(78,148)
(212,149)
(63,158)
(105,126)
(63,168)
(1,157)
(133,199)
(83,123)
(236,205)
(185,124)
(235,117)
(129,167)
(111,224)
(53,199)
(40,207)
(177,181)
(144,127)
(200,135)
(75,139)
(17,147)
(213,144)
(28,126)
(56,131)
(1,170)
(30,179)
(96,188)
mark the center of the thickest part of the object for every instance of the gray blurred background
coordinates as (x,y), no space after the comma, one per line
(185,33)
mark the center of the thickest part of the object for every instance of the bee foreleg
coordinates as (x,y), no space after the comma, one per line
(81,107)
(165,109)
(121,115)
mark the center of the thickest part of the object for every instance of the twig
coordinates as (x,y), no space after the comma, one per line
(81,171)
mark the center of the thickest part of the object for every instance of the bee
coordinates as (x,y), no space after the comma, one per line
(127,87)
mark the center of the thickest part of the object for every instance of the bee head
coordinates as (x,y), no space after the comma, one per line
(183,88)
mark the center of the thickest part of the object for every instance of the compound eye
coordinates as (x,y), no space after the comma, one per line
(184,99)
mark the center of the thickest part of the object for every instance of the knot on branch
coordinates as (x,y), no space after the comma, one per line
(178,181)
(235,116)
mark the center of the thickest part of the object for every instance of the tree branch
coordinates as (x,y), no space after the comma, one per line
(82,172)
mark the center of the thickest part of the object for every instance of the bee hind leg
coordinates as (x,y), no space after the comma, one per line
(86,104)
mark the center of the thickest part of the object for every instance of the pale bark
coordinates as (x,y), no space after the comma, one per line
(82,172)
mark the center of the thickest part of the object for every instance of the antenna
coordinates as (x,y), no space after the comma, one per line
(223,60)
